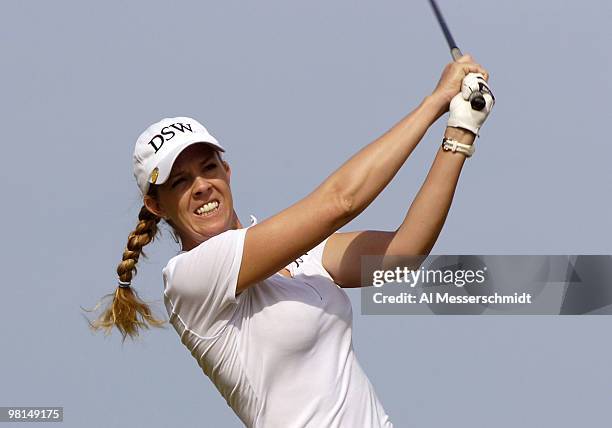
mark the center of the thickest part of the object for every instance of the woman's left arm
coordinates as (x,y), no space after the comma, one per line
(418,232)
(421,227)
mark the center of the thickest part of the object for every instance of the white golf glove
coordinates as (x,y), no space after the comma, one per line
(462,115)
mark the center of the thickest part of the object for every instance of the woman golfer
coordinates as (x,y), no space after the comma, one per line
(262,308)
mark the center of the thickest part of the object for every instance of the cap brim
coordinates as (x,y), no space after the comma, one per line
(164,167)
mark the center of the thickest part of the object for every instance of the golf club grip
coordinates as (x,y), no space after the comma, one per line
(477,101)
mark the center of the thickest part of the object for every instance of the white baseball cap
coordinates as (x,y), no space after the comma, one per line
(160,144)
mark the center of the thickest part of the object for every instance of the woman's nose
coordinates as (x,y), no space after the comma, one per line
(201,185)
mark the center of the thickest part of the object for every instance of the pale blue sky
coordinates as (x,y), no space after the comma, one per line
(292,89)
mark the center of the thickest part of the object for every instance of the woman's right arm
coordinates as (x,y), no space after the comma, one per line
(274,243)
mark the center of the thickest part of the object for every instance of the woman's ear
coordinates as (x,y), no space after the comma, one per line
(153,206)
(227,168)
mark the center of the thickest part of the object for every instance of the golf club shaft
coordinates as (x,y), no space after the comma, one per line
(477,101)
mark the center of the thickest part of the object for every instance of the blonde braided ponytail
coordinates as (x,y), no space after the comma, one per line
(127,311)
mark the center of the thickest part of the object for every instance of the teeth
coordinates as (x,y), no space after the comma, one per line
(207,207)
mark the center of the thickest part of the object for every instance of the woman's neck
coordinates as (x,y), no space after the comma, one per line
(190,245)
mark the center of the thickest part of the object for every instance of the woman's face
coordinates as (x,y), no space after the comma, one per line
(196,198)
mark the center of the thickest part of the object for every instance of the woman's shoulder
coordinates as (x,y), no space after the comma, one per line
(209,256)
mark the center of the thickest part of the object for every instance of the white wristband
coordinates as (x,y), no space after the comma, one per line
(455,146)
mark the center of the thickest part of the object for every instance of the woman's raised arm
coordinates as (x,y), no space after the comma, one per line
(272,244)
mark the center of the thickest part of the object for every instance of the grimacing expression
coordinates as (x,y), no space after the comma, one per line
(196,198)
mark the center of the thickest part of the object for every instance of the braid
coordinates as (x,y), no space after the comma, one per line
(127,311)
(145,232)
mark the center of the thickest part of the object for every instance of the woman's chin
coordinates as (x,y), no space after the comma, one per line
(211,225)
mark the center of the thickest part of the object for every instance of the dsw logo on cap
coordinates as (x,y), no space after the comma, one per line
(167,134)
(154,166)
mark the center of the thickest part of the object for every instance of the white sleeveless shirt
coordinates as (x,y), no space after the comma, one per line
(280,352)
